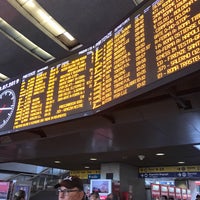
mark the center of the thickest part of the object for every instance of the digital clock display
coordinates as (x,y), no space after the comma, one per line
(158,43)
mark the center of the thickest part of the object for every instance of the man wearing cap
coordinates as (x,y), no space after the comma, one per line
(70,188)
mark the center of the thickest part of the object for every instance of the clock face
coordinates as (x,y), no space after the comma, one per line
(7,105)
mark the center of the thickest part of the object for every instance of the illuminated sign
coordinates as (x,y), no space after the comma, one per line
(178,193)
(192,168)
(159,43)
(155,190)
(164,190)
(170,171)
(85,174)
(171,190)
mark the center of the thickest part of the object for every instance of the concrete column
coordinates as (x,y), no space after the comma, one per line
(127,176)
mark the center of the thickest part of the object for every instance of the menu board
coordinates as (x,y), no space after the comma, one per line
(158,43)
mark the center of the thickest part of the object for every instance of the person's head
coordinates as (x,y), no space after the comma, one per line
(20,195)
(70,188)
(110,196)
(94,196)
(198,196)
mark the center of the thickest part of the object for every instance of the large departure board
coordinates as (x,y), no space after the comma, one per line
(158,43)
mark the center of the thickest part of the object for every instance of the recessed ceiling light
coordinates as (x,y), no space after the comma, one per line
(160,154)
(181,162)
(93,158)
(57,162)
(141,157)
(3,77)
(87,167)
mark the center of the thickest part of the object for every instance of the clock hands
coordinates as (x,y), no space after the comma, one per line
(5,108)
(7,105)
(8,108)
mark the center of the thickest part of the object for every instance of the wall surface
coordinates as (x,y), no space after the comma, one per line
(128,178)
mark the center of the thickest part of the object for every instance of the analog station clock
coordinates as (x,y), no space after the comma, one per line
(7,105)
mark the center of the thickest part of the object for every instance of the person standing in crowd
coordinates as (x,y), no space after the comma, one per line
(20,195)
(112,196)
(94,196)
(70,188)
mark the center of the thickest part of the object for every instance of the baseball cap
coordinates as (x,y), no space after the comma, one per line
(71,182)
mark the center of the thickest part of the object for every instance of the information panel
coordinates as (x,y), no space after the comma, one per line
(159,43)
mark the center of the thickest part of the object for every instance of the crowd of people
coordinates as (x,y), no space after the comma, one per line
(96,196)
(71,188)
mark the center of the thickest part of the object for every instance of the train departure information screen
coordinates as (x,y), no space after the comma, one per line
(158,43)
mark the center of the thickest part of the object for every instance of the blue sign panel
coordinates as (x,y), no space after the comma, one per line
(170,174)
(93,176)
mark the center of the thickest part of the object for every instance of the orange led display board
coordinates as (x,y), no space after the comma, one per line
(158,43)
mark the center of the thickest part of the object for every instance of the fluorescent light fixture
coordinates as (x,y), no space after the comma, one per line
(160,154)
(3,77)
(57,161)
(45,22)
(93,159)
(24,42)
(181,162)
(137,2)
(197,146)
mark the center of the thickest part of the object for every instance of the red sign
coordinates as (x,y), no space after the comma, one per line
(189,196)
(164,190)
(171,190)
(4,187)
(184,193)
(197,182)
(155,190)
(178,193)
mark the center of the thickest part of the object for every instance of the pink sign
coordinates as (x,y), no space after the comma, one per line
(4,187)
(178,193)
(155,190)
(184,194)
(171,190)
(189,196)
(164,190)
